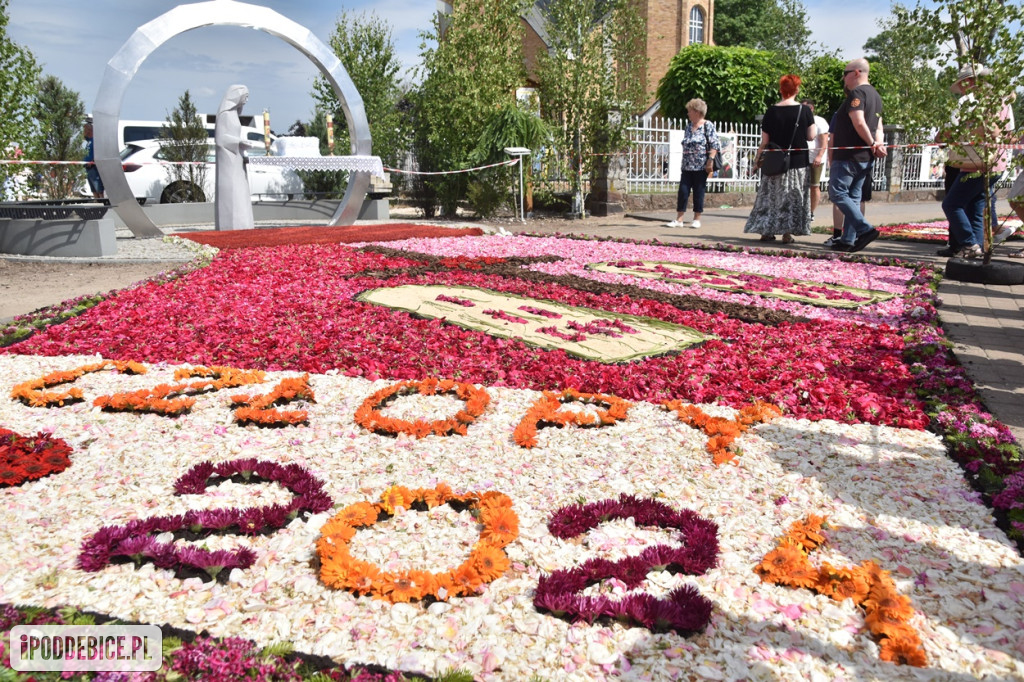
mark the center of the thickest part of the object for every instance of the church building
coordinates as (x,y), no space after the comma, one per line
(671,26)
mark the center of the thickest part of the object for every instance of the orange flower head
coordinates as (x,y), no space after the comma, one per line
(903,651)
(875,573)
(339,529)
(362,577)
(406,586)
(882,625)
(807,532)
(444,585)
(788,565)
(358,514)
(723,456)
(435,497)
(888,603)
(493,499)
(420,428)
(465,579)
(396,496)
(843,583)
(490,562)
(501,525)
(334,573)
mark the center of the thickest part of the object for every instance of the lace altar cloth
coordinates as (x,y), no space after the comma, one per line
(363,164)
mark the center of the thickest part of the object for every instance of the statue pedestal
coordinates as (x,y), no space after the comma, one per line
(58,238)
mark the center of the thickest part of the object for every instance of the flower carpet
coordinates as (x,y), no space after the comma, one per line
(936,230)
(519,457)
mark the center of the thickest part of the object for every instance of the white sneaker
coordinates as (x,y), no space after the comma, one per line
(1003,234)
(673,223)
(830,241)
(695,224)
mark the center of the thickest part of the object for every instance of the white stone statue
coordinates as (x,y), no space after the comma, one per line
(234,201)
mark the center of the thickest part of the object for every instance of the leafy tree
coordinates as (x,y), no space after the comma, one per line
(979,29)
(185,140)
(738,83)
(60,115)
(590,80)
(823,83)
(901,58)
(778,26)
(473,70)
(365,48)
(511,126)
(19,77)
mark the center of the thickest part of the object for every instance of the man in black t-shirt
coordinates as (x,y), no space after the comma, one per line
(856,140)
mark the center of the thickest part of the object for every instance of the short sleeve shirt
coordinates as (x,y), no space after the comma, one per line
(862,98)
(696,144)
(782,126)
(968,157)
(812,145)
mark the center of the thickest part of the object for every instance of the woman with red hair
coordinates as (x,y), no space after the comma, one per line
(783,203)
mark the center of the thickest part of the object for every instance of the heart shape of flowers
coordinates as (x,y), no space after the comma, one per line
(685,610)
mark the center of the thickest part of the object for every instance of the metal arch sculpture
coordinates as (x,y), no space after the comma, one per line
(123,66)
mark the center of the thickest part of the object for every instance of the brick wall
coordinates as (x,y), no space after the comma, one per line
(668,31)
(532,47)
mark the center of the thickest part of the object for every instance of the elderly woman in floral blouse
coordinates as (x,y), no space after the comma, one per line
(700,145)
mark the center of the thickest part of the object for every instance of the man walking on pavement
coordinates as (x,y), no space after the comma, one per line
(856,139)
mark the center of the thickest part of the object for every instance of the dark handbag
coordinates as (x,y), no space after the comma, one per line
(775,159)
(716,160)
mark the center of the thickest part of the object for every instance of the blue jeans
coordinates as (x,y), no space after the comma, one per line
(845,185)
(964,207)
(698,182)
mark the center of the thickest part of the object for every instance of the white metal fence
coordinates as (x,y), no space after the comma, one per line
(654,155)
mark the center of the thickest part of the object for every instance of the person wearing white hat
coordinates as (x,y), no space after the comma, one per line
(964,204)
(1016,196)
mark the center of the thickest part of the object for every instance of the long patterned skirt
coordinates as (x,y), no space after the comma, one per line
(783,205)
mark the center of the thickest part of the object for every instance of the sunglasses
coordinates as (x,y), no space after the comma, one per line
(849,71)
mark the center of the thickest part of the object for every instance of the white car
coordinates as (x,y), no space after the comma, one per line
(149,176)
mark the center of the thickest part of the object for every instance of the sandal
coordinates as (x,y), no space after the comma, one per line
(767,237)
(787,239)
(1016,254)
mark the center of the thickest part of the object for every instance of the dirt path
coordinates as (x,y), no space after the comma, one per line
(26,286)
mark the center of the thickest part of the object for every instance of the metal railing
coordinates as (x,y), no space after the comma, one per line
(654,156)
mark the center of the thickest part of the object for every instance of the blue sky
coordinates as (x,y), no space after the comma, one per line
(74,40)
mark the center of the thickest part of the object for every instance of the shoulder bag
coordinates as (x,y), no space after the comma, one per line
(716,160)
(775,159)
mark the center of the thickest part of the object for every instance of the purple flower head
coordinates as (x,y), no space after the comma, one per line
(241,467)
(137,547)
(194,481)
(598,569)
(162,524)
(632,571)
(558,604)
(694,608)
(660,557)
(251,521)
(217,519)
(316,502)
(589,609)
